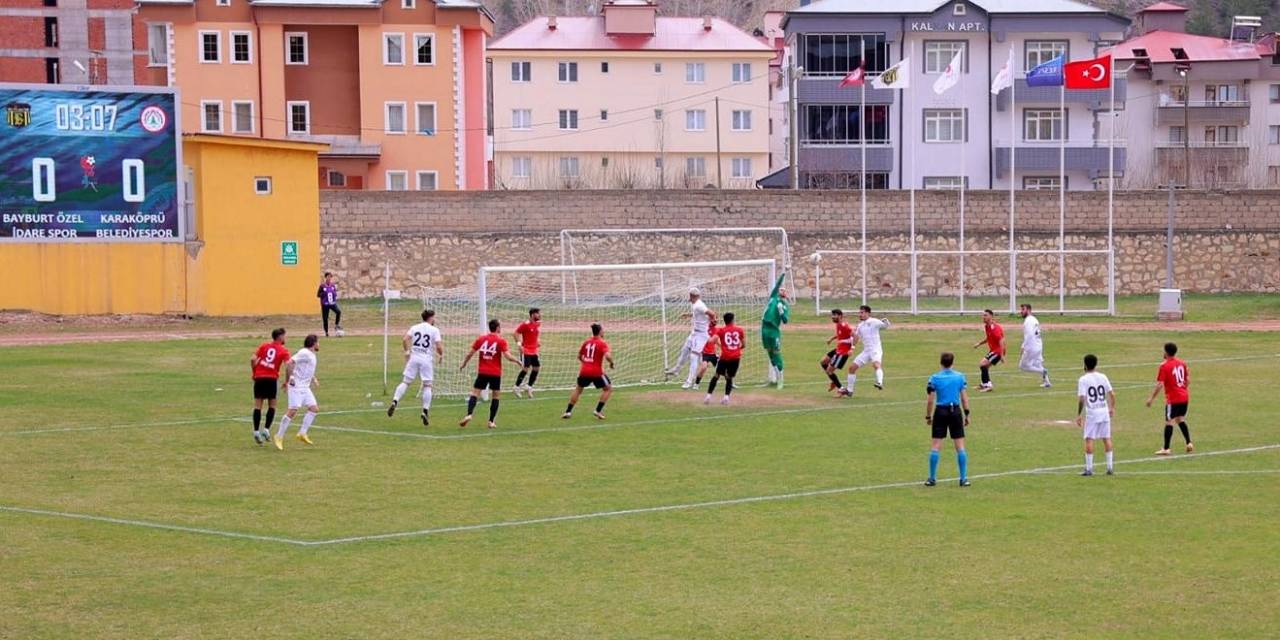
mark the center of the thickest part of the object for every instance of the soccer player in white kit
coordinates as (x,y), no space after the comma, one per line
(1096,408)
(1032,360)
(422,345)
(868,333)
(299,375)
(698,336)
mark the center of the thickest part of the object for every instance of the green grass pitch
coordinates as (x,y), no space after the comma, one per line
(133,503)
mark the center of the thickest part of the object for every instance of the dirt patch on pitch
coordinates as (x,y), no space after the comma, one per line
(742,397)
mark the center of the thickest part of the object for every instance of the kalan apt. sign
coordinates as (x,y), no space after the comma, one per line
(949,26)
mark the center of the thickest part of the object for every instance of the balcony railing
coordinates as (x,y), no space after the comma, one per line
(1201,144)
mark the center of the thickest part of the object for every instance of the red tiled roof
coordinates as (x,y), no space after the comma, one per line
(1163,6)
(587,34)
(1160,44)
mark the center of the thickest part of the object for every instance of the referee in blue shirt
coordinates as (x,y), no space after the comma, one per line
(947,399)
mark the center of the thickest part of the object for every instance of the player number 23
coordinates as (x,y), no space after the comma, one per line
(422,340)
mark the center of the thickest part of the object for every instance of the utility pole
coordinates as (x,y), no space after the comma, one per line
(793,83)
(719,163)
(1184,70)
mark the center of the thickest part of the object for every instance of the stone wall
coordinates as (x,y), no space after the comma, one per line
(1227,241)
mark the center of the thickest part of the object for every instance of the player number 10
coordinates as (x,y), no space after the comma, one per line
(44,184)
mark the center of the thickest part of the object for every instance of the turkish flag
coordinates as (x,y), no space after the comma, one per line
(1089,74)
(854,79)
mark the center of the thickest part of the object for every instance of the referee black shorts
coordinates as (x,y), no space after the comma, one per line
(948,420)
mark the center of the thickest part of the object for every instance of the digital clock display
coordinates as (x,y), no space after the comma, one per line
(85,116)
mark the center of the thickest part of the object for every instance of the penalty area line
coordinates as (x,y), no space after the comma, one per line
(147,524)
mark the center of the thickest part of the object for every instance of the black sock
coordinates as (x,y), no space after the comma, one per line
(271,415)
(1168,435)
(257,419)
(712,388)
(834,379)
(986,375)
(471,405)
(493,409)
(569,409)
(520,378)
(533,377)
(600,407)
(728,386)
(1186,433)
(697,380)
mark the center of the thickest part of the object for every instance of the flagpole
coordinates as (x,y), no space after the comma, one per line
(1013,176)
(906,142)
(862,135)
(1111,189)
(964,178)
(1062,196)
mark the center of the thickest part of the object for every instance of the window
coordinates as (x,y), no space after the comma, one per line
(1273,176)
(392,48)
(211,116)
(1227,136)
(397,180)
(838,54)
(657,114)
(695,120)
(424,114)
(241,116)
(241,47)
(427,180)
(657,162)
(295,48)
(1177,93)
(157,44)
(842,124)
(521,167)
(741,72)
(959,9)
(944,125)
(337,179)
(657,67)
(741,119)
(1039,52)
(569,167)
(604,161)
(1042,125)
(604,115)
(424,49)
(741,168)
(939,53)
(1273,134)
(522,119)
(695,72)
(299,117)
(393,117)
(521,71)
(695,167)
(1222,93)
(568,72)
(223,3)
(1177,134)
(944,182)
(1038,183)
(568,119)
(604,67)
(262,185)
(211,46)
(408,4)
(1274,93)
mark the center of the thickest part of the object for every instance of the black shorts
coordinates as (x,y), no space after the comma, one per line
(948,420)
(711,359)
(599,382)
(994,358)
(265,388)
(530,360)
(728,368)
(837,361)
(1172,411)
(492,383)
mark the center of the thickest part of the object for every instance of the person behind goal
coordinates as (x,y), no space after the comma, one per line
(492,348)
(527,333)
(593,353)
(731,339)
(422,345)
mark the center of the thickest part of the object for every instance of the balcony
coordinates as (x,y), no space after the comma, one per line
(1094,99)
(1203,112)
(1044,156)
(342,146)
(826,89)
(845,156)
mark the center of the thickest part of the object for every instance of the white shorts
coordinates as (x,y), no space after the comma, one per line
(867,357)
(1097,428)
(301,397)
(696,341)
(419,366)
(1032,359)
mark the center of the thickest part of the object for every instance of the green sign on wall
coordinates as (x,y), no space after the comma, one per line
(289,253)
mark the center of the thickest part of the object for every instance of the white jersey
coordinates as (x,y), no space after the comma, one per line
(1031,333)
(1094,387)
(869,334)
(304,368)
(423,338)
(699,312)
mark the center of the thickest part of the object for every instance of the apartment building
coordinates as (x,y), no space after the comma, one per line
(67,41)
(627,99)
(1202,111)
(779,91)
(965,136)
(395,87)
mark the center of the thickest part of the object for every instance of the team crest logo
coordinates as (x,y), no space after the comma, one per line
(890,76)
(17,114)
(153,119)
(88,165)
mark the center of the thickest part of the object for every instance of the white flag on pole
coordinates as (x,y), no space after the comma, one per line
(950,76)
(1004,79)
(895,77)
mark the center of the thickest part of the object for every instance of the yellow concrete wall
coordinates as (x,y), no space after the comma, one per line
(76,279)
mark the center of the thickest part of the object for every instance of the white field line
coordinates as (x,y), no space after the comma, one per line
(591,515)
(1222,472)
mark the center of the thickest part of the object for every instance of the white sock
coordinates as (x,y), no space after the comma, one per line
(283,426)
(880,377)
(852,378)
(426,397)
(780,377)
(1110,461)
(773,374)
(306,423)
(400,389)
(693,371)
(1088,462)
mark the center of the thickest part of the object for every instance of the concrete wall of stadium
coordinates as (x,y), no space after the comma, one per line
(1226,241)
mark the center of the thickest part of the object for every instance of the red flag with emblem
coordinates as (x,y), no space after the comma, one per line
(1089,74)
(854,79)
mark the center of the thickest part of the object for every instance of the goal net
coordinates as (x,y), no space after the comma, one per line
(642,307)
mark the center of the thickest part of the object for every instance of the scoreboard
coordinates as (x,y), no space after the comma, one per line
(83,164)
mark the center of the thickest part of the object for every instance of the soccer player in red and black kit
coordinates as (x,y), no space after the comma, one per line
(836,358)
(994,340)
(492,348)
(266,364)
(709,358)
(731,338)
(527,337)
(1173,379)
(593,353)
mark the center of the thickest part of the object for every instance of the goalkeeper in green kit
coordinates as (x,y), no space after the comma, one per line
(776,314)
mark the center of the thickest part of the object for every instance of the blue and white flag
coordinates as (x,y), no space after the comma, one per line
(1048,74)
